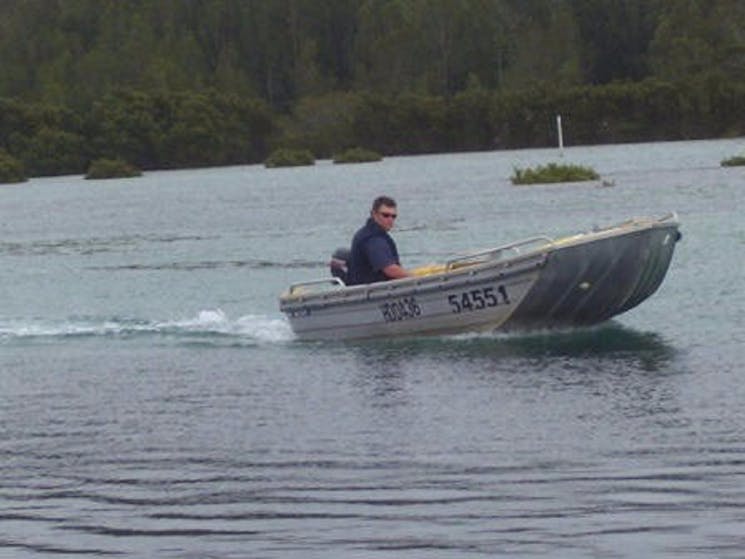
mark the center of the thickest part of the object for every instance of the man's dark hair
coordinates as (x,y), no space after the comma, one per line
(383,201)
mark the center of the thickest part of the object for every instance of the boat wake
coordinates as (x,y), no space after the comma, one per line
(206,326)
(214,328)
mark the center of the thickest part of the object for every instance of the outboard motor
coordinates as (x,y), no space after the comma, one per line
(338,263)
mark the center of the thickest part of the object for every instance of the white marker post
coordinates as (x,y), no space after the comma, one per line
(561,135)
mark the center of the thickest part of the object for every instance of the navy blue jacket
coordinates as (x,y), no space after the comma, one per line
(372,250)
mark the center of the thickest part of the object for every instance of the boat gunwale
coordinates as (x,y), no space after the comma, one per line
(476,273)
(466,273)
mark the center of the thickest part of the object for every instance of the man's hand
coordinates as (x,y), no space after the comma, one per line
(394,271)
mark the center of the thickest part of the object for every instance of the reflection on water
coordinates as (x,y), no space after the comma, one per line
(614,371)
(609,341)
(584,386)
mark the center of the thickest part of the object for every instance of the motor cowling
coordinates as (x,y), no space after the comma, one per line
(338,263)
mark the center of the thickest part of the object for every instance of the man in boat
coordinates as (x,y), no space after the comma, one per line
(373,256)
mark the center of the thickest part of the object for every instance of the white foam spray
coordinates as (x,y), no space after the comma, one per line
(248,328)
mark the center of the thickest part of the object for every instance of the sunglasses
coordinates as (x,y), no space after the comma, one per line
(388,215)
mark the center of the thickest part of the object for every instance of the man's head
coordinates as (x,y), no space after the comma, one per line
(384,212)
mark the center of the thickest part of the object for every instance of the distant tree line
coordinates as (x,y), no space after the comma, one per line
(149,130)
(179,83)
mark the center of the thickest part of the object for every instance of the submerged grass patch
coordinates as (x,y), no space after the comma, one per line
(553,173)
(111,169)
(736,161)
(285,157)
(357,155)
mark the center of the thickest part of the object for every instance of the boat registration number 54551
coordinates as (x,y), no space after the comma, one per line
(477,299)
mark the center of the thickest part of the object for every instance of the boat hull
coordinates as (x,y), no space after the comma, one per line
(579,280)
(590,282)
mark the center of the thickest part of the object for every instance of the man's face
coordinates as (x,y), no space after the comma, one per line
(385,216)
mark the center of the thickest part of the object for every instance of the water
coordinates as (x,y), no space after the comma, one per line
(154,403)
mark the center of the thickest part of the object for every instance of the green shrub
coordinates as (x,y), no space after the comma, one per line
(285,157)
(357,155)
(737,161)
(51,151)
(111,169)
(552,173)
(11,170)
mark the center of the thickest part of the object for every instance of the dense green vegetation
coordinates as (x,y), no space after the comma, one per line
(11,170)
(111,169)
(357,155)
(553,173)
(180,83)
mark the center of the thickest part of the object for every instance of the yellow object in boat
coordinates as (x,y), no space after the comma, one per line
(428,270)
(568,240)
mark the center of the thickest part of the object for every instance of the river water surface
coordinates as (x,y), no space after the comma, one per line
(154,403)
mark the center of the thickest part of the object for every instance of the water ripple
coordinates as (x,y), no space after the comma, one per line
(479,509)
(255,264)
(91,245)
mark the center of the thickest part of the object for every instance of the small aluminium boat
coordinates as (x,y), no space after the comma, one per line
(579,280)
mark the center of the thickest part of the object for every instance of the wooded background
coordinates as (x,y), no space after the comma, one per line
(178,83)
